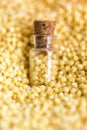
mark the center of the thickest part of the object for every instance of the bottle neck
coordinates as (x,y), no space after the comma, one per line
(42,41)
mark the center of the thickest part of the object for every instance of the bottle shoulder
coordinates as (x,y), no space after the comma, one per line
(43,49)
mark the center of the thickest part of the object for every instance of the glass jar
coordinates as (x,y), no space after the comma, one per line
(43,61)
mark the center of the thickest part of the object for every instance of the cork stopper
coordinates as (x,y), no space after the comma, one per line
(44,31)
(45,27)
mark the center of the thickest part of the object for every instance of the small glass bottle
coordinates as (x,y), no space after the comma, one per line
(42,57)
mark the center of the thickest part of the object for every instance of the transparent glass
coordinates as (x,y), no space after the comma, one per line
(42,66)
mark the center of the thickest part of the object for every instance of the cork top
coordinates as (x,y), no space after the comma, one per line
(45,27)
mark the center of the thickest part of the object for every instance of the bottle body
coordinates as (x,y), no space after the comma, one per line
(43,66)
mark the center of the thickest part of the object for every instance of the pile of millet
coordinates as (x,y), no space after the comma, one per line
(60,106)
